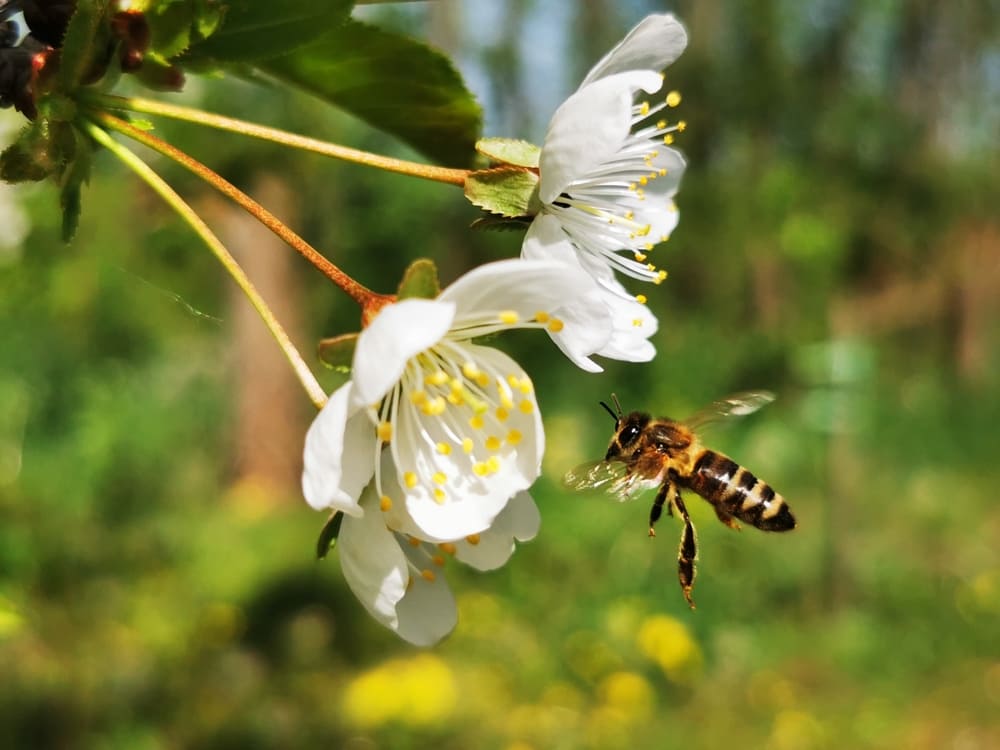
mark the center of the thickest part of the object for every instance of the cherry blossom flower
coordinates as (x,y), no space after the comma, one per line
(458,419)
(608,177)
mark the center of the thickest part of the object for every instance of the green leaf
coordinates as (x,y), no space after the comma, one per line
(76,173)
(43,148)
(507,191)
(500,224)
(509,151)
(392,82)
(86,44)
(175,24)
(258,29)
(338,352)
(420,280)
(328,536)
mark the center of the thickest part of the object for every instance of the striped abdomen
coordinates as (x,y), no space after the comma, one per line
(736,492)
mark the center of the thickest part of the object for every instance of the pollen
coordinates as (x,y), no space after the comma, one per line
(502,414)
(643,180)
(640,257)
(493,464)
(448,548)
(513,380)
(673,98)
(473,539)
(526,406)
(514,437)
(385,503)
(476,422)
(467,445)
(439,496)
(418,397)
(428,575)
(439,477)
(510,317)
(384,432)
(444,449)
(541,316)
(480,469)
(556,325)
(410,480)
(681,126)
(668,139)
(661,125)
(438,560)
(493,443)
(644,109)
(470,370)
(525,385)
(482,380)
(660,277)
(641,299)
(414,542)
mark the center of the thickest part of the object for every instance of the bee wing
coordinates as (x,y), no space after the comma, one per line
(736,405)
(611,476)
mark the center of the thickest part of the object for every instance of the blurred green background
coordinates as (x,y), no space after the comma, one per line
(839,244)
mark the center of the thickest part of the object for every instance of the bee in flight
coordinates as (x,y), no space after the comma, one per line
(646,452)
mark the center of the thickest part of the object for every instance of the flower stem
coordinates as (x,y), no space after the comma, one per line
(157,183)
(369,301)
(188,114)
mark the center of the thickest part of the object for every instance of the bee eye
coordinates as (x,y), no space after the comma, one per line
(630,433)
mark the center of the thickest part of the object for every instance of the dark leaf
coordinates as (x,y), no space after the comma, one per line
(328,536)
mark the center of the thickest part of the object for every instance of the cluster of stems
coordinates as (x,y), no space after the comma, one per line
(99,122)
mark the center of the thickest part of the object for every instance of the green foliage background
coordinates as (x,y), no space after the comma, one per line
(839,245)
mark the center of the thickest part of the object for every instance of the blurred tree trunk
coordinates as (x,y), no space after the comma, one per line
(271,410)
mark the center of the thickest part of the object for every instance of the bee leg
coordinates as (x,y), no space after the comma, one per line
(657,509)
(727,519)
(688,551)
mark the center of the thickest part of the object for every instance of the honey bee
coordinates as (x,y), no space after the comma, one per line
(646,452)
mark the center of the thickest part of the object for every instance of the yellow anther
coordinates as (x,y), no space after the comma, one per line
(414,542)
(661,124)
(630,215)
(643,180)
(467,445)
(681,126)
(514,437)
(556,325)
(482,380)
(631,186)
(439,377)
(650,267)
(418,397)
(444,449)
(525,386)
(641,299)
(434,407)
(644,109)
(513,380)
(660,277)
(541,316)
(410,480)
(510,317)
(428,575)
(668,139)
(385,503)
(673,98)
(493,464)
(470,370)
(637,322)
(640,257)
(384,432)
(476,422)
(480,469)
(649,246)
(439,496)
(506,401)
(448,548)
(526,406)
(493,443)
(439,477)
(438,560)
(454,399)
(472,539)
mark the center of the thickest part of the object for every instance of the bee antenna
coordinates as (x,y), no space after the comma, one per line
(615,416)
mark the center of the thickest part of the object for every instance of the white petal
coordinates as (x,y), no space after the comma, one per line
(373,563)
(400,331)
(653,44)
(633,325)
(588,129)
(339,455)
(469,499)
(427,613)
(518,521)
